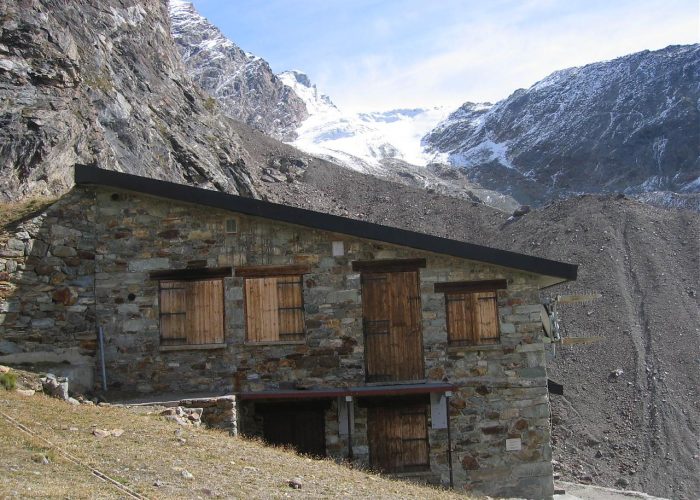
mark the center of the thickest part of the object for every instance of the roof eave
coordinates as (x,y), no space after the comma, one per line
(548,269)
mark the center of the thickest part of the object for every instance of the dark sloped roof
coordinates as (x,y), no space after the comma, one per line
(86,175)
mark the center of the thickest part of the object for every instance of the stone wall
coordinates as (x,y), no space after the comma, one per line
(86,264)
(502,392)
(47,297)
(217,413)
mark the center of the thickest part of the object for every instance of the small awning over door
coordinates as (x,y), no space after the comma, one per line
(357,391)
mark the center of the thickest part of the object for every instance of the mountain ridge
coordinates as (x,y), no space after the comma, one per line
(244,84)
(630,125)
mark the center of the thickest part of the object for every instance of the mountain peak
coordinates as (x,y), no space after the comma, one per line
(243,83)
(299,76)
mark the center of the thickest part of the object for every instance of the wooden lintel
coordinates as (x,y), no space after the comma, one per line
(387,265)
(262,271)
(470,286)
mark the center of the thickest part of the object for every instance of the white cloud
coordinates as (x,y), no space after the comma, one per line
(486,58)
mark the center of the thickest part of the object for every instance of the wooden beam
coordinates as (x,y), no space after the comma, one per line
(470,286)
(263,271)
(387,265)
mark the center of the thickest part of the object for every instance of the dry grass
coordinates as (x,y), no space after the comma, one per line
(151,449)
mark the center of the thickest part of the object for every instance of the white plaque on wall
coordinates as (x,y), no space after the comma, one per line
(338,249)
(514,444)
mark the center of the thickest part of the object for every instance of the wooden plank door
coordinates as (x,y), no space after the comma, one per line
(392,326)
(398,438)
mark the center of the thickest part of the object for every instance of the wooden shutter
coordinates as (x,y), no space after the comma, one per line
(392,323)
(173,312)
(290,308)
(192,312)
(472,318)
(406,327)
(262,318)
(205,312)
(376,318)
(486,317)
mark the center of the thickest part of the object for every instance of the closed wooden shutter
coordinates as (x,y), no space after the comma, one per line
(205,312)
(173,312)
(398,438)
(192,312)
(274,309)
(392,324)
(486,317)
(376,326)
(290,308)
(262,318)
(406,327)
(472,318)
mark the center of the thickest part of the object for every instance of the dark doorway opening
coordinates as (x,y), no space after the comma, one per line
(301,426)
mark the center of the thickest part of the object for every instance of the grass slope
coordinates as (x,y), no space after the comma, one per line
(154,451)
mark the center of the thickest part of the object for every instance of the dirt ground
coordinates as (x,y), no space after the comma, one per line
(638,430)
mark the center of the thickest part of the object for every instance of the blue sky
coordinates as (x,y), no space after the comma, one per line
(384,54)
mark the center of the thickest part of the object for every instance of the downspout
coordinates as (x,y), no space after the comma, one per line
(448,395)
(102,360)
(348,408)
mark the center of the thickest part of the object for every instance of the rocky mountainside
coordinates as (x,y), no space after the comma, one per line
(243,83)
(290,107)
(102,82)
(630,125)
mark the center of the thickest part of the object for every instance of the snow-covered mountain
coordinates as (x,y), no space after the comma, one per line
(631,125)
(361,141)
(243,83)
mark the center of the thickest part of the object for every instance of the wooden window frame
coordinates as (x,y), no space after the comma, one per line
(471,290)
(282,275)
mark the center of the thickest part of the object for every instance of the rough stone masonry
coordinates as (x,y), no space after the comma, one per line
(85,263)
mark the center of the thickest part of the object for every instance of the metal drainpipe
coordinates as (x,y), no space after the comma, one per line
(102,360)
(448,395)
(348,406)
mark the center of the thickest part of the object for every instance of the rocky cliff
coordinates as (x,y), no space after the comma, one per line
(102,82)
(631,124)
(244,84)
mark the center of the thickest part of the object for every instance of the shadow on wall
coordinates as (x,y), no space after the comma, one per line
(47,295)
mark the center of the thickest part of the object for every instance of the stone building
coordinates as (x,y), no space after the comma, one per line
(415,355)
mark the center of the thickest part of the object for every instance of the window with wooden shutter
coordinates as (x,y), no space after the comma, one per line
(191,311)
(472,311)
(274,308)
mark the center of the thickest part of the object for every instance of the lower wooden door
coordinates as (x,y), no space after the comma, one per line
(398,438)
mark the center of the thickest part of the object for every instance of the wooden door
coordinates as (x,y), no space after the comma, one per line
(398,438)
(392,326)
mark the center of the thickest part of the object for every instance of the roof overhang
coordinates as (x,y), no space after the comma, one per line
(551,272)
(359,391)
